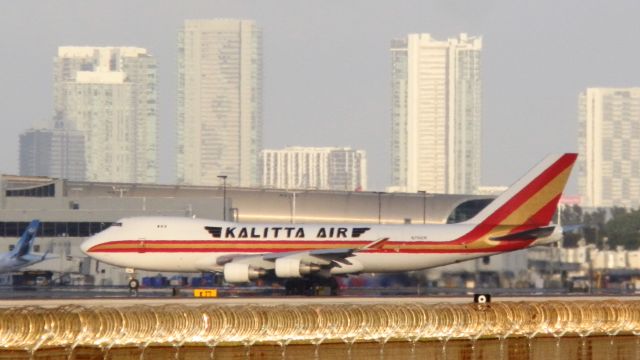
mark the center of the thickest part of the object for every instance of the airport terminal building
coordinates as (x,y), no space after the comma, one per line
(70,211)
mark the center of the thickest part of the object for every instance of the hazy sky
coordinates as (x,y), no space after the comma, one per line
(327,67)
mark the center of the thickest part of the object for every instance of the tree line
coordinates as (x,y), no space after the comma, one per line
(612,227)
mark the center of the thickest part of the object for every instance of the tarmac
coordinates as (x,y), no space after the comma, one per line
(290,300)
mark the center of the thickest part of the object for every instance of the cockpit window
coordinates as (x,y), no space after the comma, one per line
(116,224)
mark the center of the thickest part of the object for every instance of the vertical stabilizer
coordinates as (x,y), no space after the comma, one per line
(24,245)
(532,200)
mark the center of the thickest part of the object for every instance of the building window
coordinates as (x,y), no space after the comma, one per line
(467,210)
(37,191)
(54,228)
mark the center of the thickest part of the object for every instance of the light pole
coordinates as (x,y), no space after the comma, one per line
(224,196)
(292,205)
(379,206)
(424,205)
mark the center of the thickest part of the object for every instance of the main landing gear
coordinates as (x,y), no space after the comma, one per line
(312,287)
(134,283)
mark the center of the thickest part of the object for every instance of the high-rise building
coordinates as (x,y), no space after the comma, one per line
(609,147)
(109,94)
(219,102)
(56,152)
(323,168)
(436,114)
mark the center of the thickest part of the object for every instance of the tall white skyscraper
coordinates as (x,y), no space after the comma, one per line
(436,114)
(219,102)
(609,146)
(324,168)
(109,94)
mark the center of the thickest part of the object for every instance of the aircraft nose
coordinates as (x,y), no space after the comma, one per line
(88,244)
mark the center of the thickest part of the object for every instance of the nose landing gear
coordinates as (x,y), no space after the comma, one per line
(134,283)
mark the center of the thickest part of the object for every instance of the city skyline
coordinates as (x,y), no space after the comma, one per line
(528,94)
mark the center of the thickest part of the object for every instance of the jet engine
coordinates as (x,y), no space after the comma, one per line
(241,273)
(294,268)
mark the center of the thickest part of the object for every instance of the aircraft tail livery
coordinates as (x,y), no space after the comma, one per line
(25,244)
(527,207)
(517,219)
(21,255)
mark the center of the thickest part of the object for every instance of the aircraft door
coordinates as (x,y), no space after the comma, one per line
(141,245)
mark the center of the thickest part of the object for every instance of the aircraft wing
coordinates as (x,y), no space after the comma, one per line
(325,254)
(319,257)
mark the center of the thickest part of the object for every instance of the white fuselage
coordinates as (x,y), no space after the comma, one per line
(193,245)
(9,263)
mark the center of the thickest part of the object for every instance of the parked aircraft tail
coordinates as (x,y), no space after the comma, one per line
(24,245)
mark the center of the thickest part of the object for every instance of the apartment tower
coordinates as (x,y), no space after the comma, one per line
(324,168)
(609,147)
(109,95)
(436,114)
(54,152)
(219,102)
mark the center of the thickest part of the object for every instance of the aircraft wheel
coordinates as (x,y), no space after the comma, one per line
(134,284)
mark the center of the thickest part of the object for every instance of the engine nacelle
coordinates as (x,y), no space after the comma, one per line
(241,273)
(294,268)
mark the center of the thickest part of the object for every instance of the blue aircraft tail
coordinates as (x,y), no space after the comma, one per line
(24,245)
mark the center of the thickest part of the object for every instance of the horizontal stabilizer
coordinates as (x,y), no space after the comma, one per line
(33,258)
(532,234)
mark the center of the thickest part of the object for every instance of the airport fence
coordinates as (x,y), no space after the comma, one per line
(214,327)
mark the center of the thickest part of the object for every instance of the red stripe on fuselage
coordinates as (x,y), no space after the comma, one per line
(254,247)
(243,241)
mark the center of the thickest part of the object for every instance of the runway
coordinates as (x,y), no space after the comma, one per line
(293,300)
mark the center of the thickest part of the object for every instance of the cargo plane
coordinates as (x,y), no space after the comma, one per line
(312,254)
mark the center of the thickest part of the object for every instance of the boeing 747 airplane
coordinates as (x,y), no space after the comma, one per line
(21,255)
(517,219)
